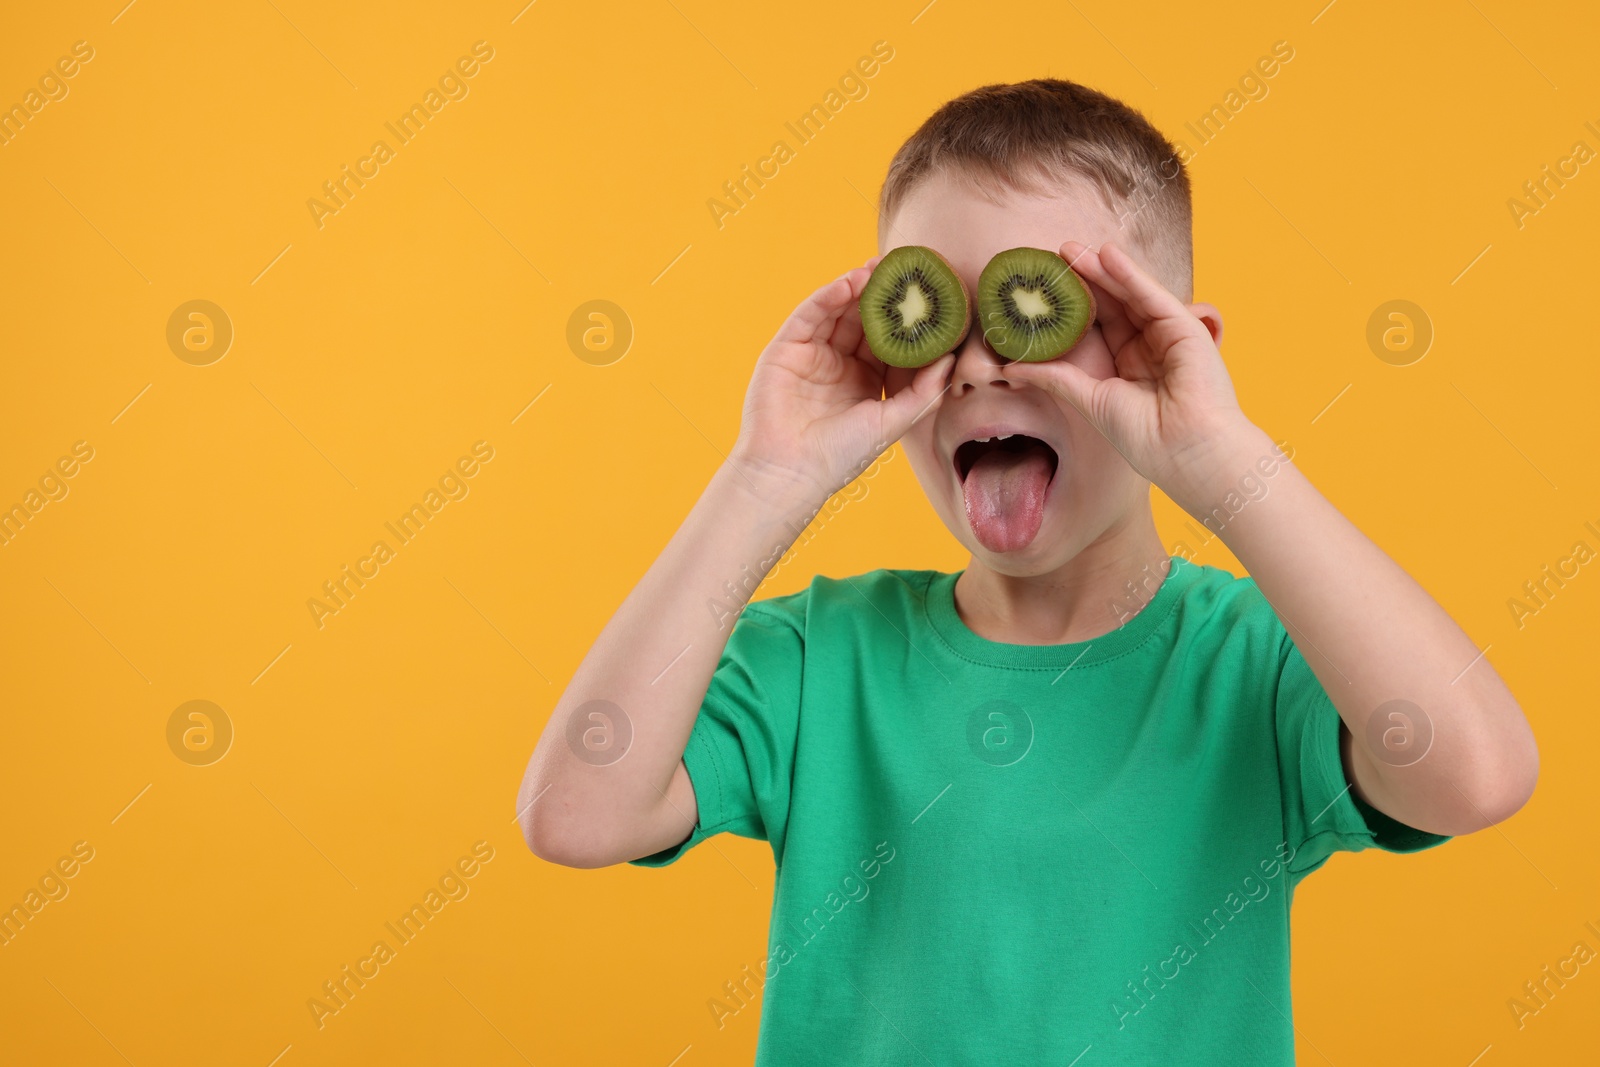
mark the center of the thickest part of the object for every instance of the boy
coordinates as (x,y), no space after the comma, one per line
(1055,805)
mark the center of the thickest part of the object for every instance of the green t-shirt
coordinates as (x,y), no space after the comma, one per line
(993,853)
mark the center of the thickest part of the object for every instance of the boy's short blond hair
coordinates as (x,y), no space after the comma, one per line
(1030,135)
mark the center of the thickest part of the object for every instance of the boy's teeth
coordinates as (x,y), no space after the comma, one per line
(1003,436)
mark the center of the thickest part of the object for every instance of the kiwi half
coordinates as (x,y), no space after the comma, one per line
(915,307)
(1032,306)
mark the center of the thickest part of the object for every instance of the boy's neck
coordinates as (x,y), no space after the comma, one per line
(1085,598)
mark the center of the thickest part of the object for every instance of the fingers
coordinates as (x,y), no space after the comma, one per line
(1060,378)
(847,334)
(1147,294)
(814,318)
(1115,271)
(1116,325)
(1148,308)
(1110,312)
(816,311)
(1091,268)
(1073,251)
(898,413)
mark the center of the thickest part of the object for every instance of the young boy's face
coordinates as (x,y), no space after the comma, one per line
(1022,511)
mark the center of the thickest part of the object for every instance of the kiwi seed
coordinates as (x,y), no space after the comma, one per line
(1032,306)
(915,307)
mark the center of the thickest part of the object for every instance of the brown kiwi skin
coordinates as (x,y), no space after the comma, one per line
(967,306)
(1089,321)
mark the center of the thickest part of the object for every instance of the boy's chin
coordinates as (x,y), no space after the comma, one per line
(1011,568)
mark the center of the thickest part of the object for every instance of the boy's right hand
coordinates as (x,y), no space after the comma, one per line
(815,415)
(814,418)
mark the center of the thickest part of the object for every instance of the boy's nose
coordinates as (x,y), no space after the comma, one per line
(976,364)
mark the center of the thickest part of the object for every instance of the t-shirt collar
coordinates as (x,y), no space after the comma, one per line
(940,605)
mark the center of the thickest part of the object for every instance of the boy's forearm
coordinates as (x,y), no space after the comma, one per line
(1372,635)
(654,661)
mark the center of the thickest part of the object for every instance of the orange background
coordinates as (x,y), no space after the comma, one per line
(369,354)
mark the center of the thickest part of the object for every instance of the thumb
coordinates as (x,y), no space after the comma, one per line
(898,413)
(1065,380)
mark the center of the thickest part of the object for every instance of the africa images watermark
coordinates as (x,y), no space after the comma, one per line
(1252,87)
(852,86)
(850,494)
(1144,989)
(1537,994)
(1252,487)
(1137,594)
(52,487)
(338,992)
(736,593)
(452,485)
(1538,192)
(52,888)
(746,989)
(452,85)
(1000,732)
(1539,591)
(52,88)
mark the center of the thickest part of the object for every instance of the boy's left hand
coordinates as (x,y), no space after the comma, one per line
(1170,408)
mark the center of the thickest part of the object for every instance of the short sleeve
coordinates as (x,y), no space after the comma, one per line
(740,753)
(1321,813)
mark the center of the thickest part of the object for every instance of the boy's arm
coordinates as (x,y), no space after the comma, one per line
(654,661)
(1373,635)
(1370,633)
(814,418)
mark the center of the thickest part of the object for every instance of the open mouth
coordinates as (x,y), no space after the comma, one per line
(1017,443)
(1004,480)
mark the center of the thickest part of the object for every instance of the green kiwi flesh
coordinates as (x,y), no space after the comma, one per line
(1032,306)
(915,307)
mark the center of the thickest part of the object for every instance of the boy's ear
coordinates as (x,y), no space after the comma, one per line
(1208,314)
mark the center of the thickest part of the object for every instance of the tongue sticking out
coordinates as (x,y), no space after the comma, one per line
(1004,493)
